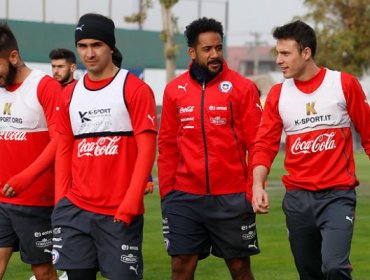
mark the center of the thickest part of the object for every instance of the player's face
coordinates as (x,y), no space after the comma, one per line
(7,72)
(290,58)
(208,52)
(95,55)
(62,70)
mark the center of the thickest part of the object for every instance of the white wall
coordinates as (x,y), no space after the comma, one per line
(156,79)
(40,66)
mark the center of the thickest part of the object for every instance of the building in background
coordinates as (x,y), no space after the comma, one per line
(252,60)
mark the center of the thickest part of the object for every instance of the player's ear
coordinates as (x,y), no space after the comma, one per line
(14,57)
(73,67)
(307,53)
(191,52)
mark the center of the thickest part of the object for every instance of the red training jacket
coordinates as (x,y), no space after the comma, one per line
(205,133)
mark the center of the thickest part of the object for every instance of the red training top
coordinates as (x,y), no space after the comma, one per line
(103,118)
(316,116)
(28,112)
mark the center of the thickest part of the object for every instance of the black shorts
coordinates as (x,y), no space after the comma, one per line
(27,229)
(86,240)
(224,225)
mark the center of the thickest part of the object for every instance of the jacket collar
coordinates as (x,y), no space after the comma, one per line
(200,75)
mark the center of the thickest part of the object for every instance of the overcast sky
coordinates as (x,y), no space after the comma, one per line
(246,21)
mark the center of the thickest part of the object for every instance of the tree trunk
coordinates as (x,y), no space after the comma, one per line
(169,42)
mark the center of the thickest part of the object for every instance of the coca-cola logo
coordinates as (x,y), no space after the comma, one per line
(188,109)
(103,146)
(13,135)
(323,142)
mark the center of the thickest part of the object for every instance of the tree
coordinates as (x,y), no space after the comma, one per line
(141,15)
(168,33)
(343,33)
(168,37)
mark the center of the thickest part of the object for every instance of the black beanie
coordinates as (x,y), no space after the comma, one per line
(96,26)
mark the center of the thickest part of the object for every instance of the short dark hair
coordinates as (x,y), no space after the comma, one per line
(8,42)
(299,31)
(66,54)
(202,25)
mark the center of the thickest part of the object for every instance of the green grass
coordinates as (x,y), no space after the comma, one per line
(275,260)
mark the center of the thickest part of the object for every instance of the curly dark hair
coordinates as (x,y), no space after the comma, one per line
(299,31)
(202,25)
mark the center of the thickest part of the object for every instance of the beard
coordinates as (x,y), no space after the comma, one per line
(9,79)
(64,80)
(207,69)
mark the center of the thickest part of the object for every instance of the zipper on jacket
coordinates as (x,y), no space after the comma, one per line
(204,137)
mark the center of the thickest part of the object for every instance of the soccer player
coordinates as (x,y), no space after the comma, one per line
(63,65)
(28,101)
(209,121)
(107,145)
(315,107)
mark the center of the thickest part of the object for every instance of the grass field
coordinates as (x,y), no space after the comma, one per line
(275,261)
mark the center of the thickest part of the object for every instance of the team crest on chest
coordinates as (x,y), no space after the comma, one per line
(225,86)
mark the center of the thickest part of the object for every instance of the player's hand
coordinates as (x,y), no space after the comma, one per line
(17,184)
(116,220)
(8,191)
(260,201)
(149,187)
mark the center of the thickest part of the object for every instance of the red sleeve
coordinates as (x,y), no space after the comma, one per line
(270,130)
(251,119)
(169,154)
(129,208)
(64,122)
(48,92)
(63,165)
(63,160)
(141,105)
(358,108)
